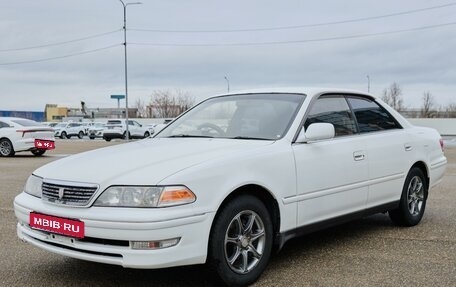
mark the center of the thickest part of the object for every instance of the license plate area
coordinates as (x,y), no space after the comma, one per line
(58,225)
(44,144)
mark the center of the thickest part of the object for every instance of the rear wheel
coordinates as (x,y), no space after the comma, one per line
(63,135)
(241,241)
(146,134)
(413,200)
(108,139)
(6,148)
(38,152)
(80,134)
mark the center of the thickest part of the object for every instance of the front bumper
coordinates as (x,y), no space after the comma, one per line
(108,240)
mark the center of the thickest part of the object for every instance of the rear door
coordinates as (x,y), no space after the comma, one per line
(332,174)
(388,149)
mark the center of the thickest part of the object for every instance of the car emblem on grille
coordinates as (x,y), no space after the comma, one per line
(61,192)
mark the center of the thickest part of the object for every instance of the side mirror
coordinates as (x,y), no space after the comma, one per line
(316,132)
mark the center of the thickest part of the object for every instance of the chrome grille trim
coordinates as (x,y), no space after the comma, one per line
(74,193)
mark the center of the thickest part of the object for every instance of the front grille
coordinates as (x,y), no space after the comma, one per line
(77,195)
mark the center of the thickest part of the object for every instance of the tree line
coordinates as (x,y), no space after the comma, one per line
(429,107)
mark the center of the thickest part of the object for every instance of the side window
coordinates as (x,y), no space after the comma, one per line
(3,125)
(333,110)
(370,116)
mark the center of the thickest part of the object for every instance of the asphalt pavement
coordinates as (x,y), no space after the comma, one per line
(367,252)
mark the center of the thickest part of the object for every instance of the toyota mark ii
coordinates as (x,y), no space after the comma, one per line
(232,180)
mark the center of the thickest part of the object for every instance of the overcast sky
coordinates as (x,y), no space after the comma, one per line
(419,61)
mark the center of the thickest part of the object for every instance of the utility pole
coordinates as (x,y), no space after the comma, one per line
(368,83)
(127,132)
(227,83)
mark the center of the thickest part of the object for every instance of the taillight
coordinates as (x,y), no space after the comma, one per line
(442,146)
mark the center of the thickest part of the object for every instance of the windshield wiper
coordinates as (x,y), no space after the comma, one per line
(189,136)
(249,138)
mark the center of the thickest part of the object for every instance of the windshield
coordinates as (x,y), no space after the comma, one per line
(61,125)
(252,116)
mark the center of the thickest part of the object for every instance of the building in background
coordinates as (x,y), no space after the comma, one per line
(35,116)
(55,113)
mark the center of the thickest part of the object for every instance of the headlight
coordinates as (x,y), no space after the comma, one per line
(33,185)
(145,196)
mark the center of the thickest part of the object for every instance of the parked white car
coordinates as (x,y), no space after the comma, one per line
(233,179)
(96,130)
(67,130)
(117,129)
(17,134)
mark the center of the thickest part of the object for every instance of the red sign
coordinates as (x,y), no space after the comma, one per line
(64,226)
(43,144)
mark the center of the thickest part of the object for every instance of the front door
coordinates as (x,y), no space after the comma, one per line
(332,175)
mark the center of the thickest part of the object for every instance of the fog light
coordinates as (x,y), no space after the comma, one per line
(158,244)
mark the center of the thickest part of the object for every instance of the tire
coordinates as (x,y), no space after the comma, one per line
(92,138)
(64,135)
(38,152)
(80,134)
(6,148)
(146,134)
(231,240)
(108,139)
(413,200)
(124,136)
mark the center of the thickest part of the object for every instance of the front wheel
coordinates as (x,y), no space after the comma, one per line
(241,241)
(146,134)
(63,135)
(80,134)
(413,200)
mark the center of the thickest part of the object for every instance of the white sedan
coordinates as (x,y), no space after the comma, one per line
(17,134)
(233,179)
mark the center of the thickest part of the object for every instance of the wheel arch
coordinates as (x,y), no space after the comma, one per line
(265,196)
(424,168)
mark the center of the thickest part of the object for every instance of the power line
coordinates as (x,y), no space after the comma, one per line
(300,26)
(61,43)
(61,57)
(297,41)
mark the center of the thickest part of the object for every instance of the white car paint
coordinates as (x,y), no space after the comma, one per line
(309,181)
(118,128)
(23,137)
(69,129)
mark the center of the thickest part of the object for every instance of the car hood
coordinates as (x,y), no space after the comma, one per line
(144,162)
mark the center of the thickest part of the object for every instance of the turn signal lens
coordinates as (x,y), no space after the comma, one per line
(159,244)
(176,195)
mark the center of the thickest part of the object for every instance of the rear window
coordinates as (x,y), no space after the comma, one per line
(26,123)
(114,122)
(370,116)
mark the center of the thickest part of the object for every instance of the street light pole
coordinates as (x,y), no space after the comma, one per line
(227,83)
(368,83)
(127,132)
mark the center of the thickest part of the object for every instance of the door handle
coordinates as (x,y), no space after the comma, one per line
(357,156)
(408,147)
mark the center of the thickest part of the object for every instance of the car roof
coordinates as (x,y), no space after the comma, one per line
(309,91)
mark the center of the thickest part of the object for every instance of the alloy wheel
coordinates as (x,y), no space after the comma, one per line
(244,242)
(415,195)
